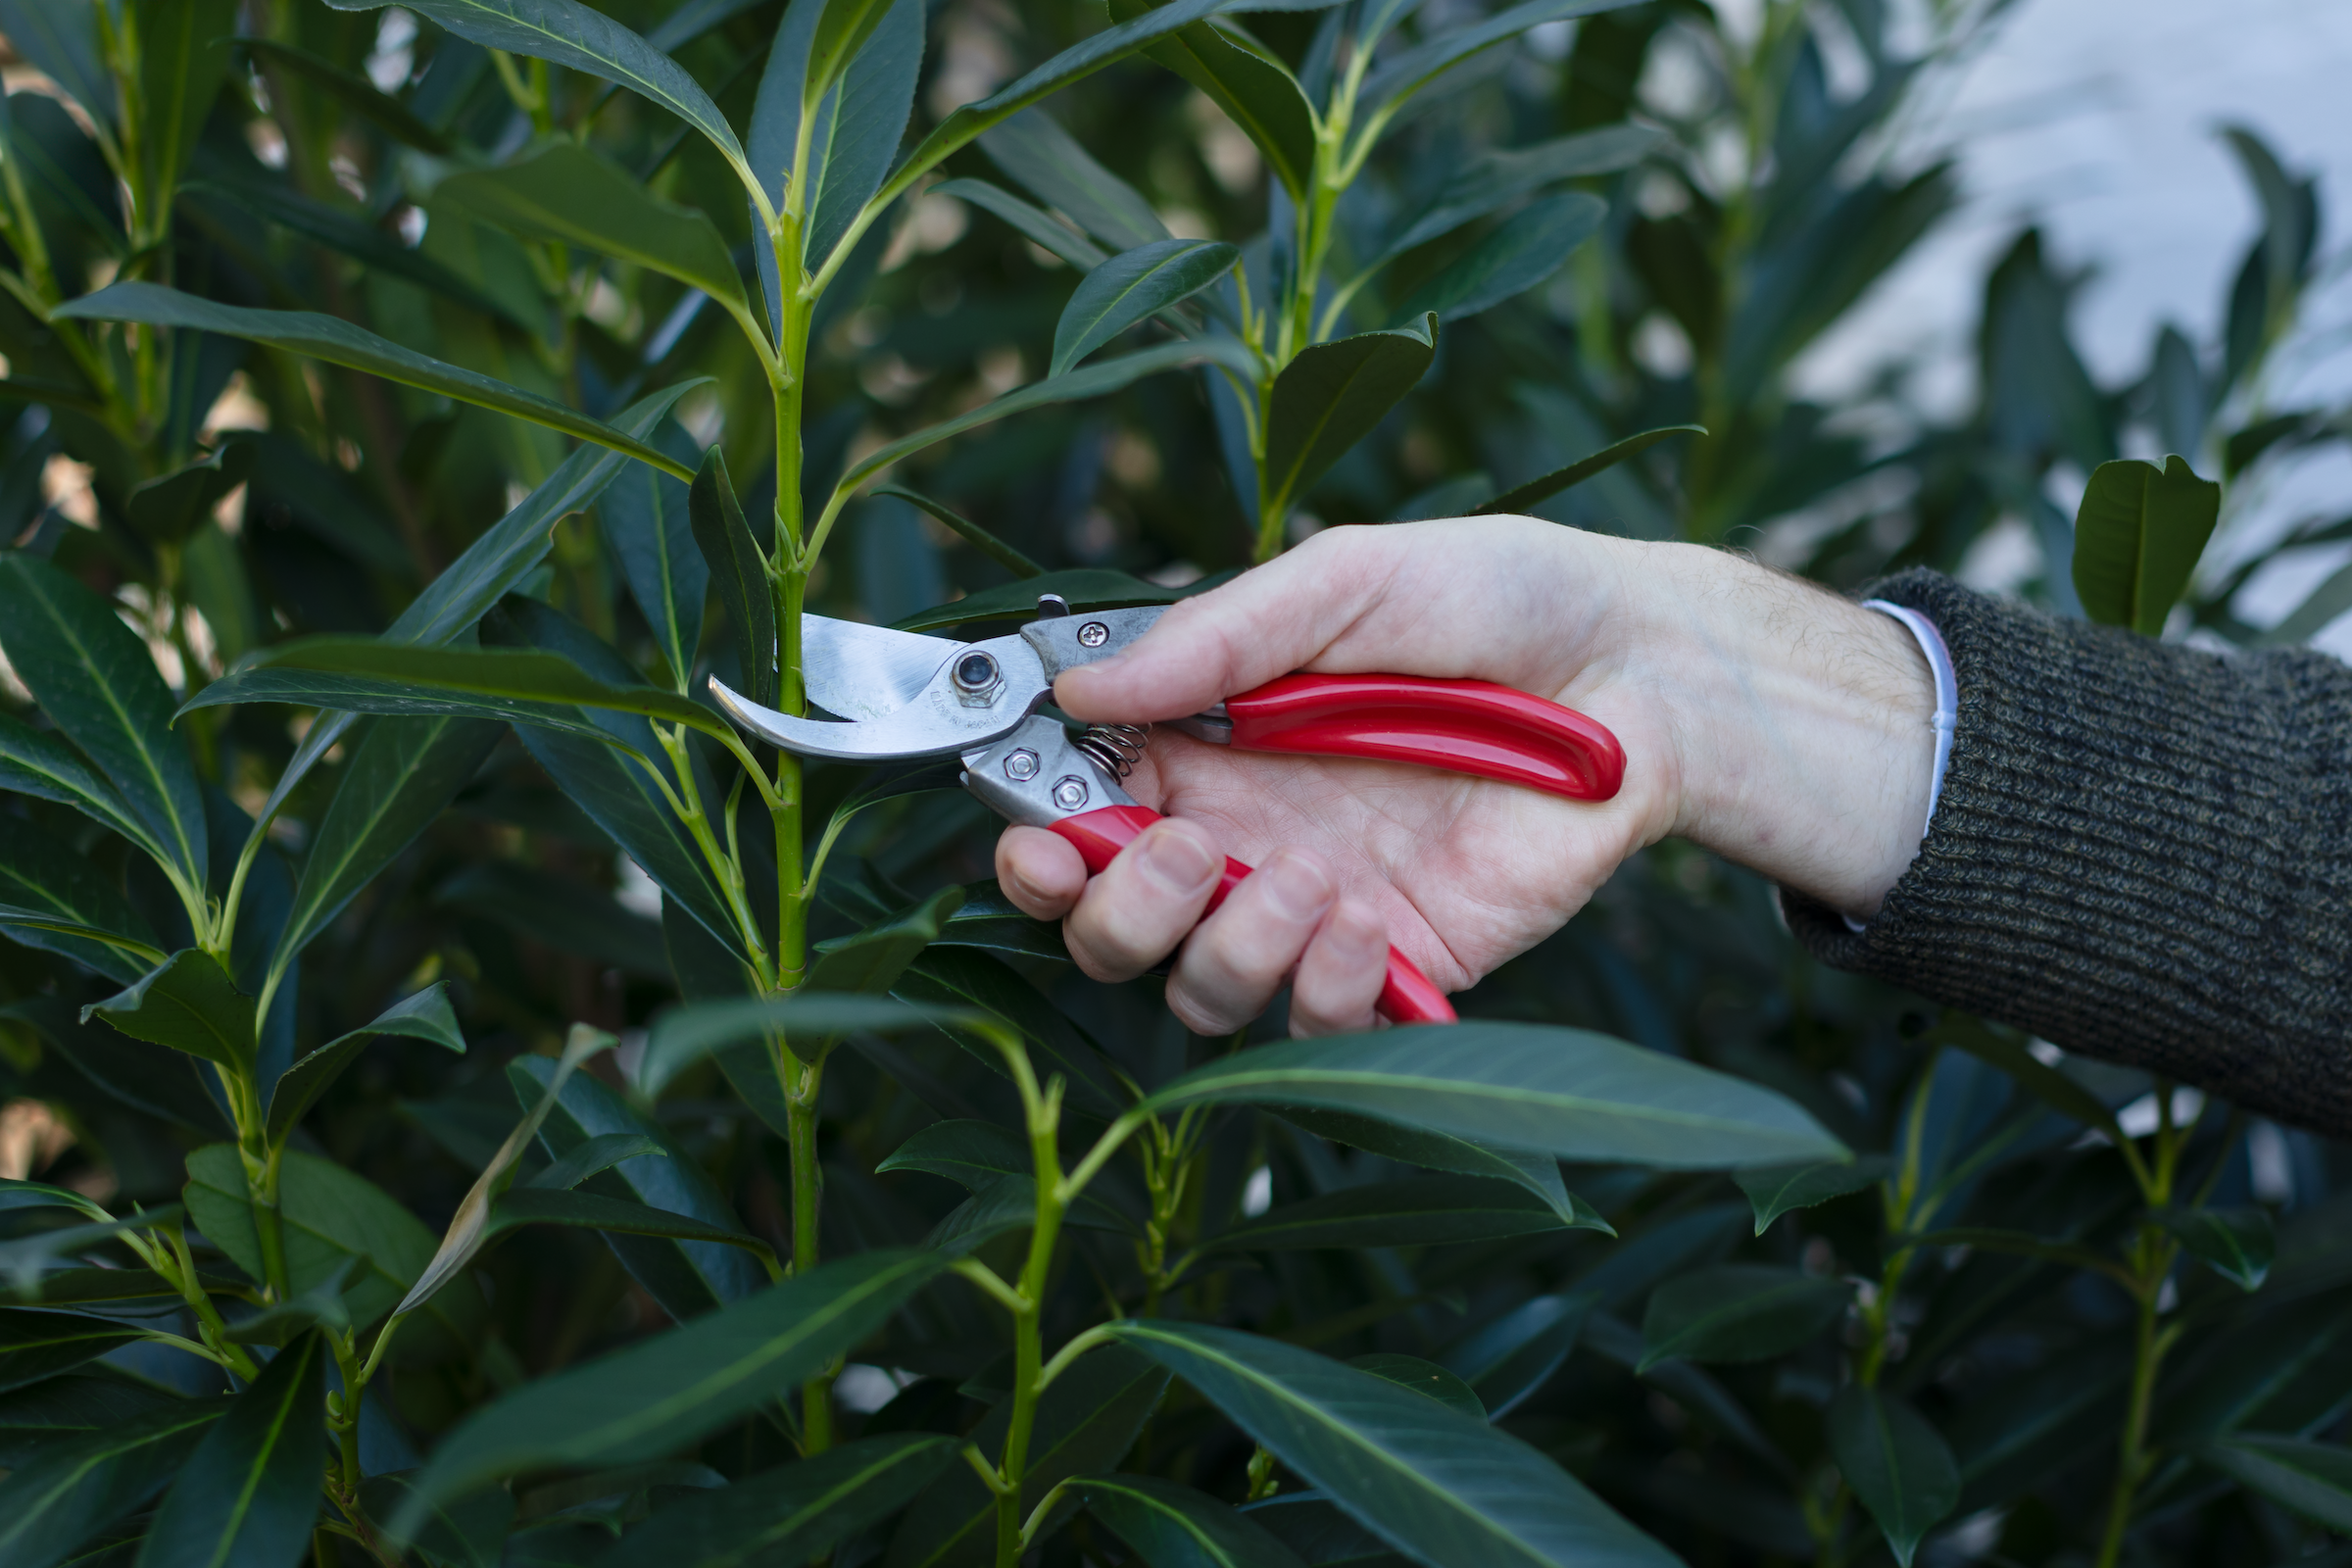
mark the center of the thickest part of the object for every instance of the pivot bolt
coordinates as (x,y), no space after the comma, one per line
(976,677)
(1094,634)
(1069,792)
(1021,767)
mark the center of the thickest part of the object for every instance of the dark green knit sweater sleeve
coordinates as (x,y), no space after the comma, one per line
(2141,853)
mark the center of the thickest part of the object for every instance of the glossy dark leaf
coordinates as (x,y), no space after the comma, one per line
(1425,1378)
(2138,535)
(979,538)
(567,33)
(35,1420)
(2313,1479)
(954,981)
(860,123)
(337,342)
(683,1035)
(599,1153)
(537,1205)
(1332,396)
(1087,1419)
(1539,1174)
(1432,1482)
(1498,178)
(426,1015)
(1565,1092)
(320,1306)
(1033,149)
(1774,1190)
(793,1513)
(1737,1312)
(1256,91)
(60,38)
(1522,497)
(360,241)
(97,684)
(38,764)
(665,1391)
(250,1490)
(2237,1243)
(1048,233)
(76,1487)
(1168,1526)
(1083,587)
(167,510)
(1318,1532)
(186,1003)
(1523,252)
(972,1153)
(37,1345)
(51,898)
(1133,286)
(645,518)
(1507,1360)
(1897,1464)
(183,56)
(1410,71)
(1416,1211)
(740,572)
(569,195)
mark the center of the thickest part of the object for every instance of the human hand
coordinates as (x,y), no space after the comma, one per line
(1774,723)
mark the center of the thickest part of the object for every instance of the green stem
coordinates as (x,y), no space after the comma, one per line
(803,1080)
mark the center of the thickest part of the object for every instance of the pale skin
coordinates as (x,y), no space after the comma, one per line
(1776,725)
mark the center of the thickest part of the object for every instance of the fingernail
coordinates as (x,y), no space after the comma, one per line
(1296,886)
(1177,862)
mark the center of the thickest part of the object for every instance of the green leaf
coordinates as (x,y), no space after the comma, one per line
(1256,91)
(566,33)
(566,194)
(1521,497)
(841,28)
(2313,1479)
(1897,1464)
(1094,380)
(514,685)
(1331,394)
(2330,599)
(1425,1378)
(1774,1190)
(1087,1419)
(740,570)
(537,1205)
(362,242)
(687,1276)
(323,337)
(675,1388)
(1083,587)
(66,1410)
(2237,1243)
(1526,250)
(76,1488)
(1565,1092)
(183,56)
(1132,286)
(1409,70)
(470,1227)
(168,510)
(1168,1526)
(1003,1196)
(400,777)
(1033,149)
(1497,178)
(1082,59)
(1737,1312)
(38,1344)
(869,962)
(37,762)
(1507,1360)
(956,981)
(2138,536)
(250,1490)
(599,1153)
(353,91)
(793,1513)
(426,1015)
(979,538)
(1539,1174)
(60,38)
(187,1003)
(327,1215)
(95,682)
(1431,1481)
(645,517)
(973,1153)
(1416,1211)
(52,897)
(682,1036)
(1042,227)
(862,123)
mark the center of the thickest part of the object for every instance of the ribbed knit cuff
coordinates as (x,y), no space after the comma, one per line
(2141,852)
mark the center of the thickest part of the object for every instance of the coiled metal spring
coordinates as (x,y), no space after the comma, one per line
(1116,748)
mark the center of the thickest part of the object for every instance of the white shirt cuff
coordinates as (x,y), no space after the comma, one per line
(1948,705)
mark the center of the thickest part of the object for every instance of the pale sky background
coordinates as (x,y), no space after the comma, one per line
(2097,117)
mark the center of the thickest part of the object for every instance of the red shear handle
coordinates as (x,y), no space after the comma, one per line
(1405,996)
(1463,726)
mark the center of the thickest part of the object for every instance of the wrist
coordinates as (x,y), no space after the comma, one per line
(1803,727)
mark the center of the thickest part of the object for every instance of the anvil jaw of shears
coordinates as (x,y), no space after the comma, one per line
(907,697)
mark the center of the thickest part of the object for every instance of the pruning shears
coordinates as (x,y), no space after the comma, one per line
(903,696)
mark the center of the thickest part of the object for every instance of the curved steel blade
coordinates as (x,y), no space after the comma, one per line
(937,720)
(863,672)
